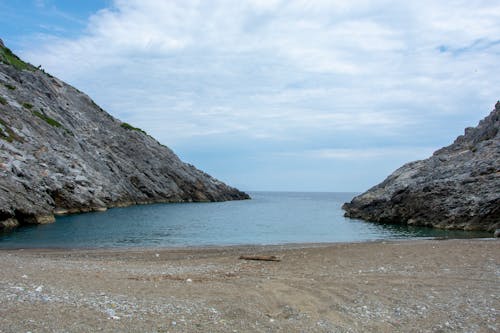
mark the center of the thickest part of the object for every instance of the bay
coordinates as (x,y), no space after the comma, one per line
(269,218)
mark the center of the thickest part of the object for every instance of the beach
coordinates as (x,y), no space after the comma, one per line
(383,286)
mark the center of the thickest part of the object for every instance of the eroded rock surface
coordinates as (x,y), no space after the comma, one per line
(61,153)
(458,187)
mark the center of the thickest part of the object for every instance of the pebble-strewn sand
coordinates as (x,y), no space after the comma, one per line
(407,286)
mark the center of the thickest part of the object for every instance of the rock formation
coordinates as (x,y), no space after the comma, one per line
(458,187)
(61,153)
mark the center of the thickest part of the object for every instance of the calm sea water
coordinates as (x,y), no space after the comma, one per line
(269,218)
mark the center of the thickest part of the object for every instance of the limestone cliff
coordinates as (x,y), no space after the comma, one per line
(458,187)
(61,153)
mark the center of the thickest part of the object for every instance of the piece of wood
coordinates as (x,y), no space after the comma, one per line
(263,258)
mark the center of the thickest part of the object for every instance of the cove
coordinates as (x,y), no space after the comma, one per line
(269,218)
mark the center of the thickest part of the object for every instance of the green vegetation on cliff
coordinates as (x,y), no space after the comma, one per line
(28,106)
(130,127)
(7,134)
(48,120)
(7,57)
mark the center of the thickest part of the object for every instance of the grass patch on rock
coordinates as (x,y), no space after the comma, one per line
(48,120)
(7,134)
(8,57)
(28,106)
(3,101)
(132,128)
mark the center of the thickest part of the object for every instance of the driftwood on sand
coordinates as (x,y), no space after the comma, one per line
(263,258)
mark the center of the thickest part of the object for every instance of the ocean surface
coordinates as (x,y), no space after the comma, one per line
(269,218)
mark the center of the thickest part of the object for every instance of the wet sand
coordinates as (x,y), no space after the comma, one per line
(397,286)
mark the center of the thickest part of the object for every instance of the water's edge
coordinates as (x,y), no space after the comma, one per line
(270,218)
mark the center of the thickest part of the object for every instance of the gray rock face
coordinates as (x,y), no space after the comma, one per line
(458,187)
(61,153)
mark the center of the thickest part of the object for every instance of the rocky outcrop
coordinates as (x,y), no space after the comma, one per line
(61,153)
(458,187)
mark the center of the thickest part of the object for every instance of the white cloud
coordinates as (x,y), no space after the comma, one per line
(408,153)
(288,70)
(40,3)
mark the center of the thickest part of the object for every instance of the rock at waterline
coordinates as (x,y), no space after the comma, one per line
(456,188)
(60,152)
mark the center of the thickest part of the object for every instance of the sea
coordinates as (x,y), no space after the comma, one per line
(268,218)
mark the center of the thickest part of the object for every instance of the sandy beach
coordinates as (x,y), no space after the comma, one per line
(397,286)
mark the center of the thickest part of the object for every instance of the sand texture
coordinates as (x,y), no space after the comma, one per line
(400,286)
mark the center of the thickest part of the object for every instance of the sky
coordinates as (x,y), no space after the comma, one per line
(276,95)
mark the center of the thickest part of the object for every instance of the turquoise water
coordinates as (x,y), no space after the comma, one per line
(269,218)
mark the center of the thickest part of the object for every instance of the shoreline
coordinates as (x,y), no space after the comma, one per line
(375,286)
(281,246)
(50,216)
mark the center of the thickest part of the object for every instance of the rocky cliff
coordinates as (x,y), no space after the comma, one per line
(61,153)
(458,187)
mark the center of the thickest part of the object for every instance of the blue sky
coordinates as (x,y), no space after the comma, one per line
(276,95)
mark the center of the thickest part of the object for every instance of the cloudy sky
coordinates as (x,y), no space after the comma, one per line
(270,94)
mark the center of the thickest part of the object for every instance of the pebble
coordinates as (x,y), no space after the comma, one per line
(112,314)
(365,309)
